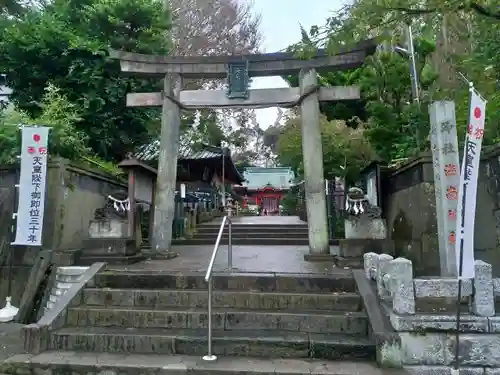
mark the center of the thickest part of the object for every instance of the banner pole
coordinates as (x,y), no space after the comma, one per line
(460,265)
(12,235)
(464,250)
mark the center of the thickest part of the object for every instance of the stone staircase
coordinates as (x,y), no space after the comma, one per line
(251,234)
(139,320)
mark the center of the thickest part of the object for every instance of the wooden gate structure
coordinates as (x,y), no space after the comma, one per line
(238,70)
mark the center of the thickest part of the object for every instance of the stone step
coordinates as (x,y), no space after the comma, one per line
(268,344)
(112,259)
(336,281)
(223,319)
(251,228)
(162,299)
(257,227)
(89,363)
(252,234)
(122,246)
(251,241)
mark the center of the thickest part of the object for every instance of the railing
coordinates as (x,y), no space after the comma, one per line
(208,276)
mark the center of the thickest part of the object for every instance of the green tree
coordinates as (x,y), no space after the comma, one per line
(468,36)
(58,113)
(66,43)
(345,150)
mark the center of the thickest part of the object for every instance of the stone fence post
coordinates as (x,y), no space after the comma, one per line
(402,288)
(383,269)
(483,301)
(395,284)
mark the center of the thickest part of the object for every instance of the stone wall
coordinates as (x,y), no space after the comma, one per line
(66,217)
(423,312)
(409,207)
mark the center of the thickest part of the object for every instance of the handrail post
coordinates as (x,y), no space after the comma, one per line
(210,356)
(229,243)
(208,278)
(229,236)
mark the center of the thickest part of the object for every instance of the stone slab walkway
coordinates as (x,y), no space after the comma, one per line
(265,259)
(254,259)
(90,362)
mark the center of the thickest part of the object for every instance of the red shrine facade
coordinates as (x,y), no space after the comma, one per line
(264,188)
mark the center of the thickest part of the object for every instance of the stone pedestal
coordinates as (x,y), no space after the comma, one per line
(366,228)
(109,228)
(109,241)
(363,235)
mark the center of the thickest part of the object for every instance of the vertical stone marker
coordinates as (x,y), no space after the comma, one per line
(312,151)
(446,167)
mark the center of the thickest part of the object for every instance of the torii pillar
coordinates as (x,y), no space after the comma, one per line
(164,202)
(312,151)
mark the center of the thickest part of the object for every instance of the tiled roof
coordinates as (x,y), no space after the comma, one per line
(151,151)
(200,154)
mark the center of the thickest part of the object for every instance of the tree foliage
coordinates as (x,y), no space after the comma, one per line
(450,37)
(58,113)
(65,43)
(217,27)
(345,150)
(214,27)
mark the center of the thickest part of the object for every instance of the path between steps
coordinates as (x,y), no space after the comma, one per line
(175,364)
(246,258)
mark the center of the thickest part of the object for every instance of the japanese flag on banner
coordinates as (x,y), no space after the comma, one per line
(466,212)
(32,181)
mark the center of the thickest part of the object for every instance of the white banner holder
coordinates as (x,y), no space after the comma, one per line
(9,312)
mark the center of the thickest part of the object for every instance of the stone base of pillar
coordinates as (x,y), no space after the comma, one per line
(319,257)
(148,253)
(352,250)
(114,251)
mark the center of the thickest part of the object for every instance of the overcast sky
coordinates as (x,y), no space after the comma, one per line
(280,28)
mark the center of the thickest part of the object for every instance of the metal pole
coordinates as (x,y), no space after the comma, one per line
(223,179)
(456,368)
(210,356)
(15,204)
(413,67)
(229,240)
(414,78)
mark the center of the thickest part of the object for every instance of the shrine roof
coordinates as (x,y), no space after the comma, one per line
(150,152)
(194,159)
(277,177)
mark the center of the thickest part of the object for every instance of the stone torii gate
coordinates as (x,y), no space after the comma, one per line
(238,70)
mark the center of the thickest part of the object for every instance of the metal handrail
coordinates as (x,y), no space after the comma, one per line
(208,277)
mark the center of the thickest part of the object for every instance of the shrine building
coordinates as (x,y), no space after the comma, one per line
(264,188)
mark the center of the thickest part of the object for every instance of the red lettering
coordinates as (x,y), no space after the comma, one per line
(450,170)
(478,134)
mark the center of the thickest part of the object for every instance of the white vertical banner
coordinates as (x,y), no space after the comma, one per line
(466,211)
(444,145)
(32,183)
